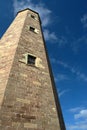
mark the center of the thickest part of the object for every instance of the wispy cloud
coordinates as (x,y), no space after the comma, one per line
(75,44)
(84,20)
(78,44)
(62,41)
(61,93)
(58,78)
(61,77)
(50,36)
(81,76)
(80,117)
(72,69)
(44,13)
(75,109)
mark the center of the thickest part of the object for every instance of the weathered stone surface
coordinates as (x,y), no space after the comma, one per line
(30,125)
(28,97)
(23,101)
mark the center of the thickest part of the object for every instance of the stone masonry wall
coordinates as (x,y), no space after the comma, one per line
(8,45)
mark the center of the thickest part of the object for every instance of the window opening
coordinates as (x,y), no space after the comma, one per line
(32,16)
(32,29)
(31,60)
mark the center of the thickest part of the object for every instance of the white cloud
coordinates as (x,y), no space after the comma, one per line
(80,117)
(44,13)
(81,114)
(84,20)
(50,36)
(77,127)
(39,7)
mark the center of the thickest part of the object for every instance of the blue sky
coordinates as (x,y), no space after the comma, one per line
(65,29)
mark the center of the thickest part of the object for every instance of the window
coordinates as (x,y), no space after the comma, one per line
(31,59)
(32,16)
(32,29)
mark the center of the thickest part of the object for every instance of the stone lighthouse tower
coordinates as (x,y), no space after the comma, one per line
(28,97)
